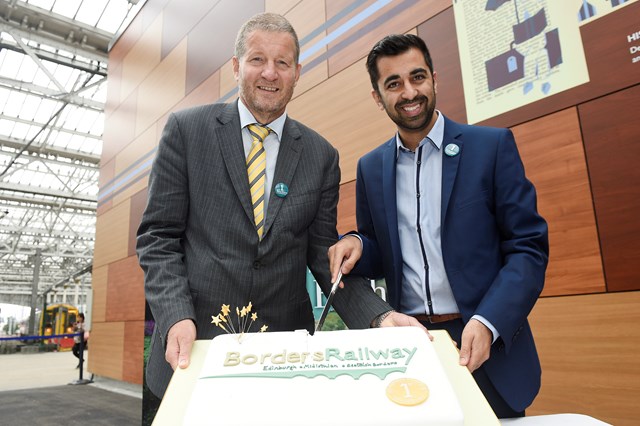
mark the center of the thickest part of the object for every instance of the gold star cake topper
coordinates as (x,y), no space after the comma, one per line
(244,320)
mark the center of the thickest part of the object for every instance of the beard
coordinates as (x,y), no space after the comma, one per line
(417,123)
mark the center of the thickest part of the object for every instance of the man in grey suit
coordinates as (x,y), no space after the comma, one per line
(199,242)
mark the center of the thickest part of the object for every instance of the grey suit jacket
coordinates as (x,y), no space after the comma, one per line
(197,242)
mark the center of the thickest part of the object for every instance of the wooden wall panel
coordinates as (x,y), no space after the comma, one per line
(588,348)
(125,291)
(347,208)
(305,18)
(443,47)
(106,349)
(133,152)
(155,95)
(228,82)
(397,17)
(112,235)
(552,151)
(120,129)
(611,132)
(354,127)
(207,53)
(207,92)
(99,276)
(143,57)
(138,204)
(174,30)
(282,6)
(132,356)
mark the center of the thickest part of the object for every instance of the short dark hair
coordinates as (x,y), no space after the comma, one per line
(393,45)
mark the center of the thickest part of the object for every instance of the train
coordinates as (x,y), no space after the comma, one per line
(56,319)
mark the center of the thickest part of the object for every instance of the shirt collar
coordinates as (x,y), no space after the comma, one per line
(246,118)
(435,136)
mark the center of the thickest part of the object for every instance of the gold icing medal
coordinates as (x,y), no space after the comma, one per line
(407,392)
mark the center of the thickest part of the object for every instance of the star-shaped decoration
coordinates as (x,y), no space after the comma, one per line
(225,310)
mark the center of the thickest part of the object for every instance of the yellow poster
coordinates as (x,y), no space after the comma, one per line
(514,52)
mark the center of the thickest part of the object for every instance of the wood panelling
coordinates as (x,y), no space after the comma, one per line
(347,208)
(119,129)
(208,92)
(99,276)
(228,82)
(156,96)
(138,183)
(282,6)
(112,235)
(305,18)
(135,151)
(138,204)
(132,359)
(343,111)
(114,78)
(207,53)
(106,349)
(588,348)
(397,17)
(182,20)
(125,291)
(443,47)
(143,57)
(611,132)
(551,149)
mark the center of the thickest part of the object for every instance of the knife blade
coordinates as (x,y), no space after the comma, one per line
(327,306)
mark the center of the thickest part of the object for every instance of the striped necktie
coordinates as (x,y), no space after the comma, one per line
(256,169)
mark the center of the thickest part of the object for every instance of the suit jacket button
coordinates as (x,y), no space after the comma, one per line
(256,264)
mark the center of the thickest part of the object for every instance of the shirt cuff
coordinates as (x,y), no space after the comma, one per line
(353,234)
(490,326)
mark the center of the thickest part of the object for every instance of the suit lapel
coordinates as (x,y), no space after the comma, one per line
(452,133)
(229,133)
(390,203)
(291,146)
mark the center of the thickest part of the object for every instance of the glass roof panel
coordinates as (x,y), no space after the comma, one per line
(50,143)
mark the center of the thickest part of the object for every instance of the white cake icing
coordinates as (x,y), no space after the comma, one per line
(333,377)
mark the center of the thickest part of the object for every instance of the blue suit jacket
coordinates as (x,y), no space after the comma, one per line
(494,243)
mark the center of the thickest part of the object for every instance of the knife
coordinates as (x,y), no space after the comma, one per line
(327,305)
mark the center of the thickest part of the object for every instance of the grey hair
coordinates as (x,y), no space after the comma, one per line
(271,22)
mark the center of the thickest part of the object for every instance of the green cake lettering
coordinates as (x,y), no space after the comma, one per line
(233,359)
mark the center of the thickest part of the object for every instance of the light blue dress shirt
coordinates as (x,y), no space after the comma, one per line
(271,145)
(425,286)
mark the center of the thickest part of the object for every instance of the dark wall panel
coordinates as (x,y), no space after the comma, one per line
(611,133)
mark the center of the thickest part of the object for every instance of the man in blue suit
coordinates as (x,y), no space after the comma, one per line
(447,216)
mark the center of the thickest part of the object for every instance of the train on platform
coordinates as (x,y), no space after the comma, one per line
(56,319)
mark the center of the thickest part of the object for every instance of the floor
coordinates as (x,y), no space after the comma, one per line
(44,389)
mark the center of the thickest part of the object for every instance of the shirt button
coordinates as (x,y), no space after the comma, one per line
(256,264)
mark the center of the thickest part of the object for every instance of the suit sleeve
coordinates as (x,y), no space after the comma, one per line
(524,245)
(370,263)
(357,303)
(160,234)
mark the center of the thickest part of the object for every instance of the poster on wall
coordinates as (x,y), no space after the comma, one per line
(515,52)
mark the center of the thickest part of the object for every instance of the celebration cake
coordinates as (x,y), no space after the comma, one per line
(368,377)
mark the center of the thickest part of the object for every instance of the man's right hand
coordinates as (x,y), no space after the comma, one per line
(179,342)
(345,252)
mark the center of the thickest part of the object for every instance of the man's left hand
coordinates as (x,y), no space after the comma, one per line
(476,345)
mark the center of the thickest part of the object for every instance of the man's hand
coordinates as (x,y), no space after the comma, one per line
(476,345)
(396,319)
(345,252)
(179,342)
